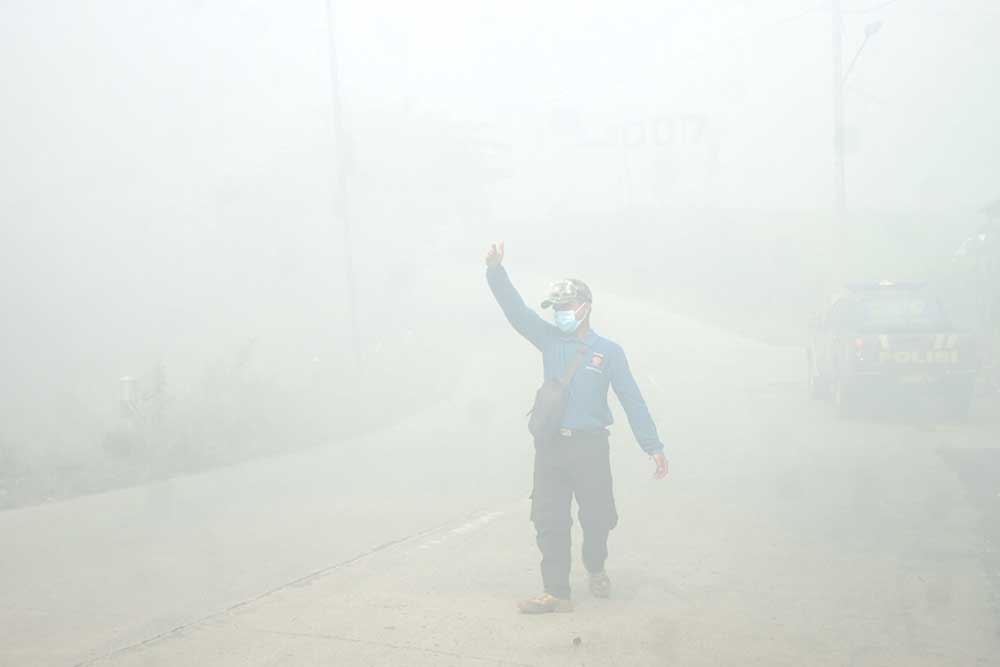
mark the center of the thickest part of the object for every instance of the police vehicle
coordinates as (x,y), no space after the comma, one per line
(880,340)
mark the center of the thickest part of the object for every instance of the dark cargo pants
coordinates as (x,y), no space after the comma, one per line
(566,466)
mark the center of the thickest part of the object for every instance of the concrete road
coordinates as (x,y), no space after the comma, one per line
(783,537)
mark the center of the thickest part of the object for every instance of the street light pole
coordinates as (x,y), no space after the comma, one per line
(870,31)
(342,204)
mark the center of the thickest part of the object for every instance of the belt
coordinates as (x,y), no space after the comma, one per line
(569,433)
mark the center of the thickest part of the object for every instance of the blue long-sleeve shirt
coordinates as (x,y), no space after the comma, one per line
(604,364)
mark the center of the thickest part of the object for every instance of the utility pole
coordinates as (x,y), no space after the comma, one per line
(839,185)
(340,190)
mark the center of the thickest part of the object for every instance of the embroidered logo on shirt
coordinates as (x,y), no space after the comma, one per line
(596,363)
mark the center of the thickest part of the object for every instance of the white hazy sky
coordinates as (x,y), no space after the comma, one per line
(131,85)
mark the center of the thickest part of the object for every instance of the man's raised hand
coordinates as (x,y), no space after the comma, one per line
(494,256)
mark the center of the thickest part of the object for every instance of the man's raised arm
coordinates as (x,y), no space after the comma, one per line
(525,321)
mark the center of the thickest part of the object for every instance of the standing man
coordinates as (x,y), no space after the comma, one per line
(575,461)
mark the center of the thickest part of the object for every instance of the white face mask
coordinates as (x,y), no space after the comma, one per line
(566,320)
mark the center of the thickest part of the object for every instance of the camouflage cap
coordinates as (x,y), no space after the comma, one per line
(566,291)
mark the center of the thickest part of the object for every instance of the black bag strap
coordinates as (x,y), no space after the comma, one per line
(574,366)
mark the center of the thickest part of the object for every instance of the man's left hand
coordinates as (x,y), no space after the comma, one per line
(661,465)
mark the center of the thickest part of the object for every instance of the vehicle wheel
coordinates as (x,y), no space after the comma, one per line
(817,387)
